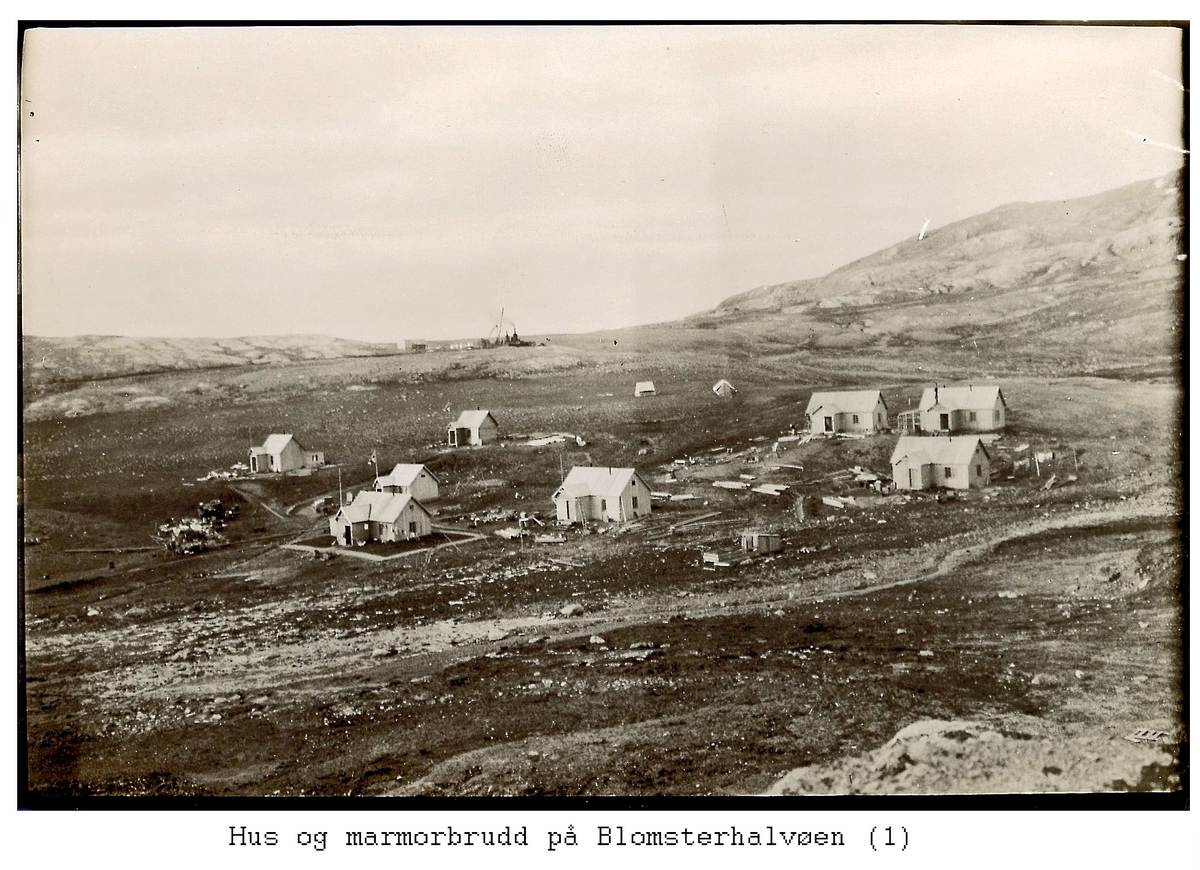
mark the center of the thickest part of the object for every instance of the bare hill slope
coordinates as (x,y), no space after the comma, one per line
(1133,231)
(95,357)
(1099,278)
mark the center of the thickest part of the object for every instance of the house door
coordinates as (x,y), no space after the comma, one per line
(945,418)
(346,535)
(912,479)
(828,424)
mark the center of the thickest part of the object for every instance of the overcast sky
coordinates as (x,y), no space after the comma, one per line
(382,183)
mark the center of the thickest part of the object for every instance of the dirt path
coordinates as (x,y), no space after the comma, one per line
(309,666)
(259,502)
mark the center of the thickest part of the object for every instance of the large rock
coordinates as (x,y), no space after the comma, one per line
(949,757)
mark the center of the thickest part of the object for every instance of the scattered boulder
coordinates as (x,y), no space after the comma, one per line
(1025,755)
(597,639)
(570,610)
(383,652)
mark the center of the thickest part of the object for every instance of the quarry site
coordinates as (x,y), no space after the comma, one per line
(1020,635)
(840,451)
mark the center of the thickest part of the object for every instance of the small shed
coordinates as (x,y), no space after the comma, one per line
(473,428)
(644,388)
(761,542)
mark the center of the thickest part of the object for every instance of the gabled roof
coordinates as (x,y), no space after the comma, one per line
(600,481)
(970,397)
(845,401)
(404,474)
(932,450)
(723,386)
(380,507)
(471,420)
(643,386)
(276,443)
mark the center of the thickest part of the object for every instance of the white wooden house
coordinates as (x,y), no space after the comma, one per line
(283,453)
(973,408)
(957,462)
(408,479)
(644,388)
(380,516)
(473,428)
(859,411)
(596,493)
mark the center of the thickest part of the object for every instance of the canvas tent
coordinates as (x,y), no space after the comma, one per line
(723,388)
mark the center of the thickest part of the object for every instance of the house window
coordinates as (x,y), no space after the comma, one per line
(979,471)
(996,416)
(946,471)
(603,504)
(568,505)
(635,502)
(971,416)
(854,418)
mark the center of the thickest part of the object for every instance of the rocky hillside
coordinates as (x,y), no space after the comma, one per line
(1102,273)
(96,357)
(1133,231)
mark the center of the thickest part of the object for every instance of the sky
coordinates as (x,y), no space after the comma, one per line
(380,183)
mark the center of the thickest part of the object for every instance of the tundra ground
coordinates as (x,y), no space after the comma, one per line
(250,669)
